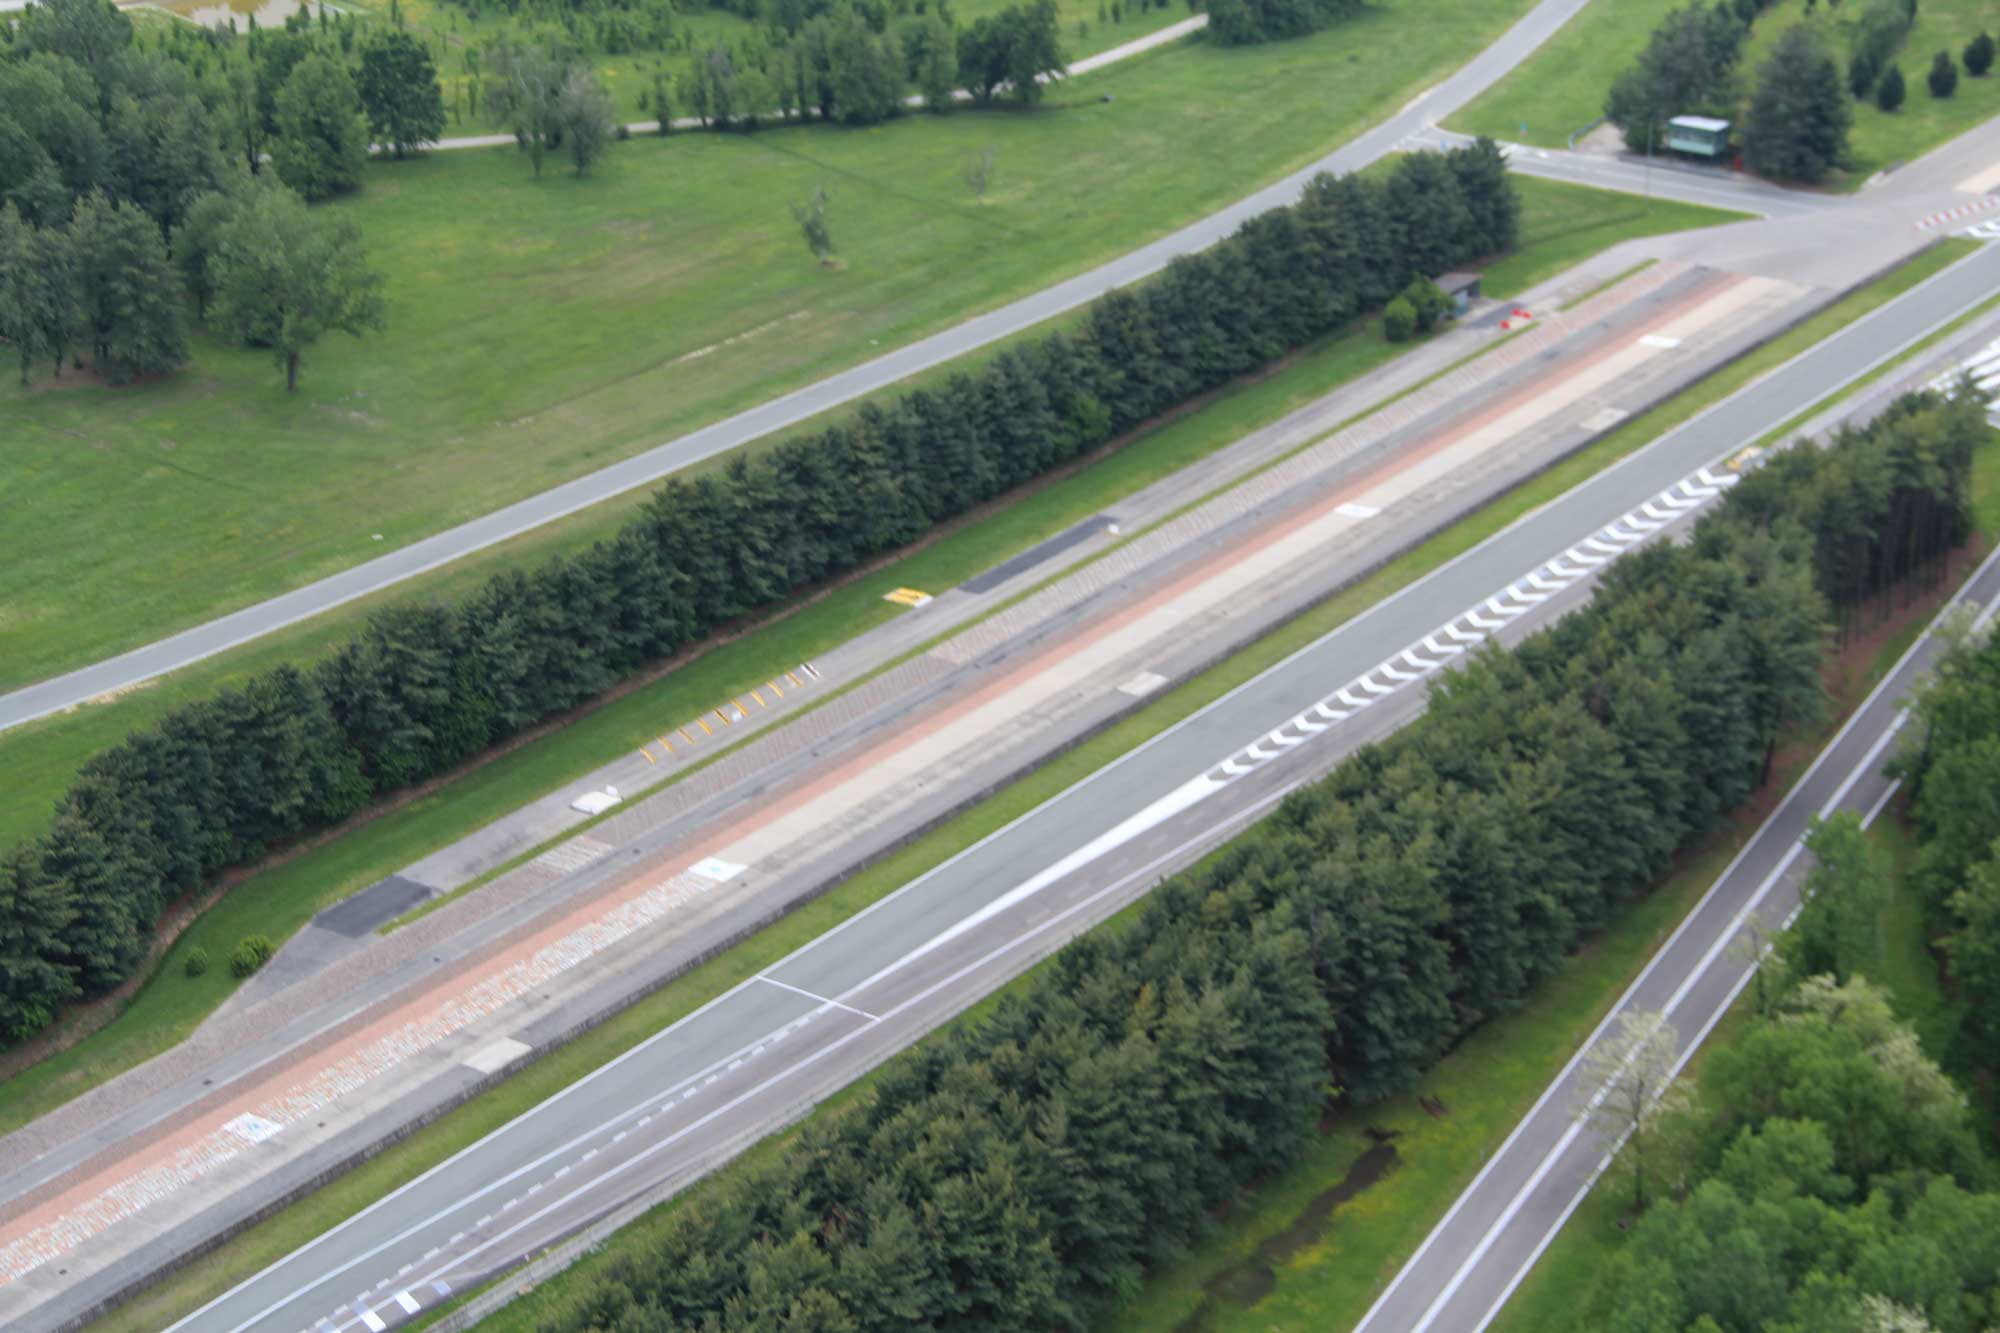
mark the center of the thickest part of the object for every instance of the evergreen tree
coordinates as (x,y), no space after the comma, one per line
(1889,93)
(1799,114)
(128,295)
(1943,78)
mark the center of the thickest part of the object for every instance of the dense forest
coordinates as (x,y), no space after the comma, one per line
(427,686)
(1028,1169)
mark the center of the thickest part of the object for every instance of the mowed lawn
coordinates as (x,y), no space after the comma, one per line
(1562,87)
(542,328)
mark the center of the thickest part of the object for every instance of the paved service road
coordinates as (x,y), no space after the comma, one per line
(179,650)
(1465,1270)
(764,1052)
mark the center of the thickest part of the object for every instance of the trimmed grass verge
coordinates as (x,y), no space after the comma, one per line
(213,1274)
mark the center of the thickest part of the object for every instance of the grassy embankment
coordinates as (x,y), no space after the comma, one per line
(1561,224)
(542,328)
(1561,88)
(213,1274)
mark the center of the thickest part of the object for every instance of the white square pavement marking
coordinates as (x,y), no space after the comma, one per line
(409,1304)
(1142,684)
(1604,418)
(1660,340)
(373,1321)
(493,1058)
(1353,510)
(253,1127)
(717,869)
(594,802)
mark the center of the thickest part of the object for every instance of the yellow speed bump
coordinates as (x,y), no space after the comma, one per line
(907,597)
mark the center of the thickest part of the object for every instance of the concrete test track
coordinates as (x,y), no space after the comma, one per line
(761,1054)
(225,632)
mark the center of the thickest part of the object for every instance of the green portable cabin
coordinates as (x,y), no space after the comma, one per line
(1699,136)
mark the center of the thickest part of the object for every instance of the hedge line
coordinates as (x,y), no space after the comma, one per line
(425,686)
(1026,1171)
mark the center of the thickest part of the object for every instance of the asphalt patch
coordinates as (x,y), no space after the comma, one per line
(378,904)
(1034,555)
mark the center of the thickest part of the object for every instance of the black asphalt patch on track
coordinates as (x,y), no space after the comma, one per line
(1034,555)
(380,902)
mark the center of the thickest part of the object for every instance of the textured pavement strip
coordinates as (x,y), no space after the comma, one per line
(1303,469)
(385,1053)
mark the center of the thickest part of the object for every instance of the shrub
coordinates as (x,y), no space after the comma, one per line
(1978,55)
(252,952)
(1429,302)
(1889,92)
(1943,77)
(1861,73)
(1399,320)
(197,961)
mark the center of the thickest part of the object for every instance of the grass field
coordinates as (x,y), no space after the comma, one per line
(1562,87)
(539,329)
(1561,223)
(213,1274)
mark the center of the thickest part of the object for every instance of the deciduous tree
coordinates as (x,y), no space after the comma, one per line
(1627,1087)
(399,90)
(285,278)
(322,140)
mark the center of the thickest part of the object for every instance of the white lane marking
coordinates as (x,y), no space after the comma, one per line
(782,985)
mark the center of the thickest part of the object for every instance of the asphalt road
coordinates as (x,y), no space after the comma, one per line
(1470,1264)
(1712,186)
(225,632)
(764,1052)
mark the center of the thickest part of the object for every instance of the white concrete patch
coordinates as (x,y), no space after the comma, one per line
(1660,340)
(1982,183)
(255,1128)
(717,869)
(596,802)
(1358,511)
(1142,684)
(491,1059)
(1604,418)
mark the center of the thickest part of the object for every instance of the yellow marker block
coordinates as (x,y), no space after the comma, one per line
(772,686)
(706,730)
(796,682)
(725,720)
(669,744)
(684,735)
(758,697)
(649,755)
